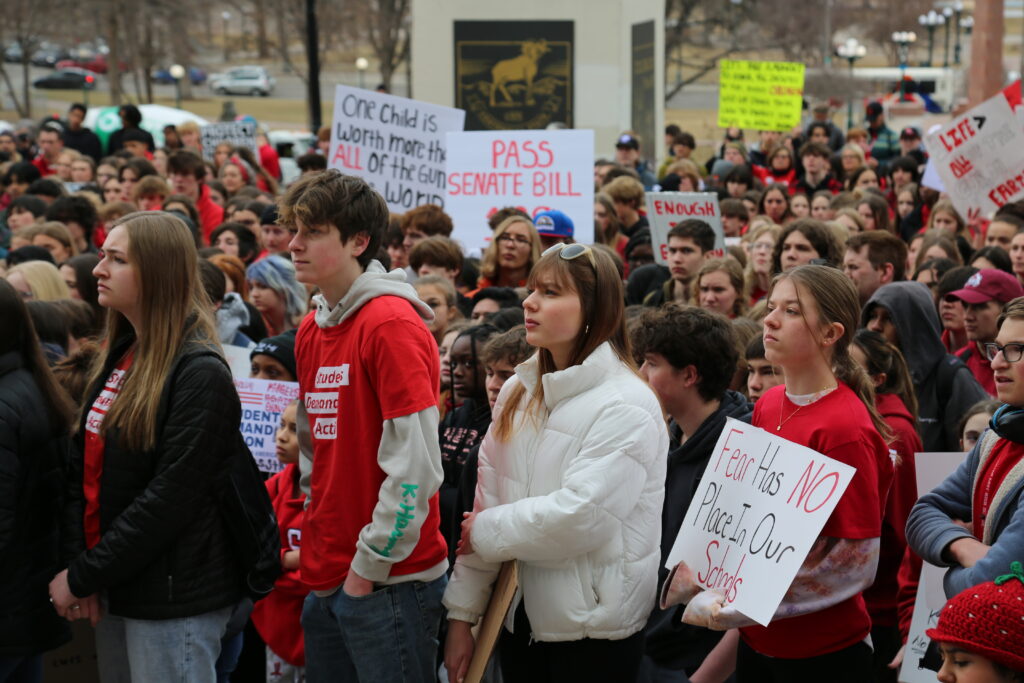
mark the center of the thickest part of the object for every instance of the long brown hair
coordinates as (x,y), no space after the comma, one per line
(602,301)
(884,358)
(174,310)
(836,301)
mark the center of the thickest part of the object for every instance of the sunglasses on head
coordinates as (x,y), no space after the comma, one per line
(568,252)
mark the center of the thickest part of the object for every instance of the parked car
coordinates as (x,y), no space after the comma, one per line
(68,78)
(13,53)
(195,74)
(243,80)
(49,55)
(96,64)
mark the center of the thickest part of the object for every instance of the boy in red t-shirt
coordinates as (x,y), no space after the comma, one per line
(368,372)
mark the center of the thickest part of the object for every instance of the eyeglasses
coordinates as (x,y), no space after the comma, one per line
(568,252)
(762,246)
(520,241)
(1012,352)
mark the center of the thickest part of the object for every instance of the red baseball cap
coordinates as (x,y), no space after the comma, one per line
(988,284)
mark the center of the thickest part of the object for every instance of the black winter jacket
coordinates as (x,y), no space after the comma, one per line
(165,551)
(671,643)
(33,459)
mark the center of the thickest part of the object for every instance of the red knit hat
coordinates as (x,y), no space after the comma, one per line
(987,619)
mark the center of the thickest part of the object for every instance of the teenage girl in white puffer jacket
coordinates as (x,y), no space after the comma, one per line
(571,484)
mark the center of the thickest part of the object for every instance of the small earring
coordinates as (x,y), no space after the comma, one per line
(586,329)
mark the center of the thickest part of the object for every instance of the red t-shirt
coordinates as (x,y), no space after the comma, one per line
(92,469)
(840,427)
(277,616)
(210,214)
(979,366)
(1004,457)
(882,596)
(379,364)
(43,165)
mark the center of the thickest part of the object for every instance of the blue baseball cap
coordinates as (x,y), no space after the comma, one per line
(553,224)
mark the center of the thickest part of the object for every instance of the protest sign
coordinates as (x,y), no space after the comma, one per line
(395,144)
(760,95)
(235,133)
(534,170)
(930,596)
(665,209)
(263,401)
(238,360)
(760,506)
(979,157)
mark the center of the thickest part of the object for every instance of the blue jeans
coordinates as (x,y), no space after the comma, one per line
(164,650)
(388,636)
(27,669)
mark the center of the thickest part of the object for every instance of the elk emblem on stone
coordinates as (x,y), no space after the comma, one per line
(521,68)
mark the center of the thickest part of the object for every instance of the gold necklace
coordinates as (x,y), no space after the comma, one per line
(814,397)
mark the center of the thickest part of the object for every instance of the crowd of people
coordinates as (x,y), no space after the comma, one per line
(550,405)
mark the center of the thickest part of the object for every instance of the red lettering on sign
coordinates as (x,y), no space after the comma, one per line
(525,154)
(958,135)
(348,157)
(725,447)
(810,481)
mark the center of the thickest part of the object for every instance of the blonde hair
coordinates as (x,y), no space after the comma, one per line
(58,231)
(856,149)
(852,215)
(489,264)
(749,276)
(187,127)
(732,268)
(43,279)
(946,206)
(175,310)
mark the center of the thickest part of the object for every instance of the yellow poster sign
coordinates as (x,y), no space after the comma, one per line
(760,95)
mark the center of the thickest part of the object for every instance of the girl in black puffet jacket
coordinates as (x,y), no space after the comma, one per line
(148,545)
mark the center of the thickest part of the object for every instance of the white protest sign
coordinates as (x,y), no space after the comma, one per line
(980,158)
(395,144)
(534,170)
(235,133)
(760,507)
(665,209)
(263,401)
(932,469)
(238,358)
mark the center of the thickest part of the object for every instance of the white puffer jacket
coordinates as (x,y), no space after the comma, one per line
(576,498)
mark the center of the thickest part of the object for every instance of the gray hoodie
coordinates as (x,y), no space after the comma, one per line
(912,311)
(408,450)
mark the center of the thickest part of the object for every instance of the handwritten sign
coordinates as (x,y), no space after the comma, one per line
(235,133)
(534,170)
(394,143)
(665,209)
(760,95)
(760,507)
(930,595)
(263,401)
(979,156)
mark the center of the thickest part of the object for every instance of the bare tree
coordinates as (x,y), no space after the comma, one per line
(387,25)
(24,22)
(336,22)
(700,33)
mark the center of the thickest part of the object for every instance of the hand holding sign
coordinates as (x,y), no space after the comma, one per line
(761,504)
